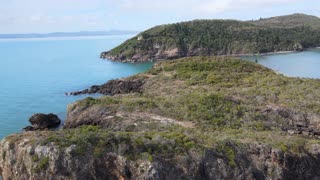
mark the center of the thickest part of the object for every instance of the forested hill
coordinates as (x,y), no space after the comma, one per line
(220,37)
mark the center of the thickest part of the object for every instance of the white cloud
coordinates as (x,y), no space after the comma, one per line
(73,15)
(213,7)
(51,15)
(192,6)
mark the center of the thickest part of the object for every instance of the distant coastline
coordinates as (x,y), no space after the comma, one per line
(65,38)
(265,54)
(271,53)
(67,34)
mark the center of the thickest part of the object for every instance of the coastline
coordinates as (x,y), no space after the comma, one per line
(271,53)
(115,59)
(266,54)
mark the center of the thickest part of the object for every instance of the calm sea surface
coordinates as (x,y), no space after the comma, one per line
(301,64)
(35,73)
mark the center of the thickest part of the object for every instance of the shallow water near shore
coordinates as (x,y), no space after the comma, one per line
(304,64)
(35,74)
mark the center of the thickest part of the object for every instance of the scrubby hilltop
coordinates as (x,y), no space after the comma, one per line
(192,118)
(290,21)
(220,37)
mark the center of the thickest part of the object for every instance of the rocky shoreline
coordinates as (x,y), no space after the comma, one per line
(113,87)
(151,58)
(167,55)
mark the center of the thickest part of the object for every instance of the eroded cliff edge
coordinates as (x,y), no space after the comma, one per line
(192,118)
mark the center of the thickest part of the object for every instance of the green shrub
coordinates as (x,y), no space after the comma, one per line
(42,165)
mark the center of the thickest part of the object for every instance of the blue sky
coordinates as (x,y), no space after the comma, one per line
(41,16)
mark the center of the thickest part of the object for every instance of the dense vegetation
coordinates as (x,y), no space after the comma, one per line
(220,37)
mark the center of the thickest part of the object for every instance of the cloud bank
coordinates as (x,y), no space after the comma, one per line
(75,15)
(199,6)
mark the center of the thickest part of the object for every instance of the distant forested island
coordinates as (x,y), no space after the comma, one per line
(220,37)
(67,34)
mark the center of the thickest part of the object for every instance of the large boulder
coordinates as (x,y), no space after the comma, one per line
(43,121)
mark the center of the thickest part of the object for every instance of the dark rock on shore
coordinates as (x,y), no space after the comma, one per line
(113,87)
(42,122)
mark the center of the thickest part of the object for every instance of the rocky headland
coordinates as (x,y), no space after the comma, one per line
(192,118)
(113,87)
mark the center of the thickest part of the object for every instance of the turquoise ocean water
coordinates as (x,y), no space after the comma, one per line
(35,74)
(300,64)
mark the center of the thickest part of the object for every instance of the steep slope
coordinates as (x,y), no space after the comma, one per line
(192,118)
(218,37)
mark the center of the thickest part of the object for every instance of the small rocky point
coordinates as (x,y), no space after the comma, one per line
(43,122)
(113,87)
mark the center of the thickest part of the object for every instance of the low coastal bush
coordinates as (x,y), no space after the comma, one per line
(129,144)
(41,164)
(225,99)
(217,92)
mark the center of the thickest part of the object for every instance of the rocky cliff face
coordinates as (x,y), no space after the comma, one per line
(193,118)
(23,159)
(151,55)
